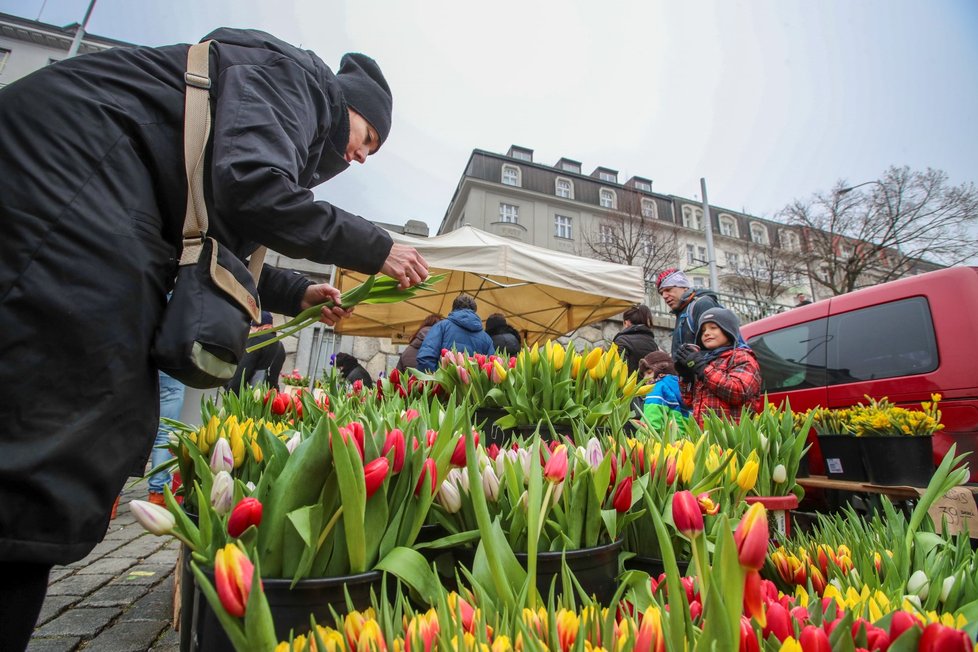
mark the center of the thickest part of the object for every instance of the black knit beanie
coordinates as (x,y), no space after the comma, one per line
(725,319)
(366,91)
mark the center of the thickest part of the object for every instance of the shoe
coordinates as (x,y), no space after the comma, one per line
(115,508)
(156,498)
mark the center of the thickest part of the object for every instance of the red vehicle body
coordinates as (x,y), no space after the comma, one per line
(904,340)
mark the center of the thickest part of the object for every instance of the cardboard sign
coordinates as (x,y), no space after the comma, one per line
(957,507)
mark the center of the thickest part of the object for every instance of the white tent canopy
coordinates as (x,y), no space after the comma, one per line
(542,292)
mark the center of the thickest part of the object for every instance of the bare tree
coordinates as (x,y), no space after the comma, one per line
(906,221)
(632,235)
(763,274)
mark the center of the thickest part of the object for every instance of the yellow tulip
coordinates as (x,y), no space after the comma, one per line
(237,446)
(644,390)
(535,354)
(576,365)
(557,356)
(592,359)
(599,371)
(212,426)
(747,477)
(256,451)
(629,389)
(568,625)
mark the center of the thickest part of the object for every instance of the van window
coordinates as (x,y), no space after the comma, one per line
(792,358)
(892,339)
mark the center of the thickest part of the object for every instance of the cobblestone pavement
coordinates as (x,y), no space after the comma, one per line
(117,599)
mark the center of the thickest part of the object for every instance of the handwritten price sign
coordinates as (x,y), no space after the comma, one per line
(957,508)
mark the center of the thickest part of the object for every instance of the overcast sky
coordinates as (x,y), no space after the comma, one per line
(769,100)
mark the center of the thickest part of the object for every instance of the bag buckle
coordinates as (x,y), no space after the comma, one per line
(197,81)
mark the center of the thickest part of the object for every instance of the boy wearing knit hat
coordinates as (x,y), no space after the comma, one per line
(686,303)
(665,400)
(720,372)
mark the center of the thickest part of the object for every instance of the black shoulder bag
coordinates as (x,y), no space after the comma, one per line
(204,331)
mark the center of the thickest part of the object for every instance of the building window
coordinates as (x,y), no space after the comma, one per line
(607,198)
(4,55)
(693,217)
(648,208)
(570,167)
(562,227)
(728,226)
(564,188)
(521,155)
(606,234)
(509,213)
(733,261)
(789,240)
(695,255)
(758,233)
(607,176)
(643,185)
(511,175)
(698,282)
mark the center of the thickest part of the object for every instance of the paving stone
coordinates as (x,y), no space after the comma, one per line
(115,595)
(145,574)
(105,547)
(79,584)
(156,604)
(140,548)
(169,641)
(59,572)
(79,622)
(65,644)
(164,556)
(128,636)
(107,566)
(54,605)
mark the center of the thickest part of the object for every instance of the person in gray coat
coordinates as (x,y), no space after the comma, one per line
(409,356)
(93,193)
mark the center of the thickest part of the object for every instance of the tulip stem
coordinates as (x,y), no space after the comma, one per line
(699,558)
(534,546)
(328,528)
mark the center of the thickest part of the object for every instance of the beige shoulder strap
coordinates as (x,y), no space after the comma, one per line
(197,127)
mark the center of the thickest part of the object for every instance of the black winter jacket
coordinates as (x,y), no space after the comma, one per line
(92,199)
(506,339)
(635,342)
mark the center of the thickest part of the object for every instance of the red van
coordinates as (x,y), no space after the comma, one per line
(903,340)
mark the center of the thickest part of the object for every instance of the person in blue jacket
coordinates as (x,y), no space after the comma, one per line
(665,399)
(461,330)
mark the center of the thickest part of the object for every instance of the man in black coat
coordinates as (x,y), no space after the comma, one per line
(92,199)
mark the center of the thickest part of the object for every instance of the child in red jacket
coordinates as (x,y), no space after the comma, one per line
(721,374)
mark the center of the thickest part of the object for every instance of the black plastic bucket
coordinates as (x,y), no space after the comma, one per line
(899,460)
(654,566)
(290,607)
(595,568)
(843,457)
(492,434)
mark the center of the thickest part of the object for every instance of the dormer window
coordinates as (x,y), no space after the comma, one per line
(789,240)
(607,198)
(564,188)
(648,208)
(693,217)
(728,225)
(758,233)
(511,175)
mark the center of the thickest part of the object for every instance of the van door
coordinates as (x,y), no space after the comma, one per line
(792,361)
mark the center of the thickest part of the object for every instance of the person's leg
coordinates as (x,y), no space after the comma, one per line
(171,404)
(22,589)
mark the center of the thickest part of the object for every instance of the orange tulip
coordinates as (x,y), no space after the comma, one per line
(233,573)
(649,637)
(752,537)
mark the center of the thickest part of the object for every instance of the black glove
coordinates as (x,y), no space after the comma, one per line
(690,361)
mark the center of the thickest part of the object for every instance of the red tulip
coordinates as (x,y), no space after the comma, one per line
(374,474)
(427,469)
(430,436)
(493,451)
(814,639)
(748,639)
(623,496)
(458,455)
(411,414)
(939,638)
(280,404)
(800,614)
(233,574)
(752,537)
(556,468)
(686,514)
(245,514)
(778,622)
(753,598)
(353,429)
(395,441)
(900,622)
(877,639)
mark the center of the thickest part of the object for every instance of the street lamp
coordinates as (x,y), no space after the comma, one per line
(843,191)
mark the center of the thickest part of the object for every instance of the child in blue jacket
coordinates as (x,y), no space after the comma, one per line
(665,399)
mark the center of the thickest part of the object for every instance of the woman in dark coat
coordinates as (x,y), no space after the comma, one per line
(635,340)
(92,201)
(409,356)
(504,337)
(352,370)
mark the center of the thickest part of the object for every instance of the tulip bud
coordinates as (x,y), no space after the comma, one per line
(233,573)
(686,514)
(940,638)
(900,622)
(221,457)
(556,468)
(779,474)
(428,475)
(623,496)
(747,477)
(490,484)
(498,374)
(458,455)
(374,474)
(919,584)
(154,518)
(245,514)
(751,537)
(449,497)
(293,443)
(222,492)
(814,639)
(946,587)
(594,454)
(395,441)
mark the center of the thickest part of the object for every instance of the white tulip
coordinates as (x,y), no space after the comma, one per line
(594,454)
(779,474)
(490,484)
(221,457)
(946,587)
(918,584)
(293,443)
(222,492)
(157,520)
(449,497)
